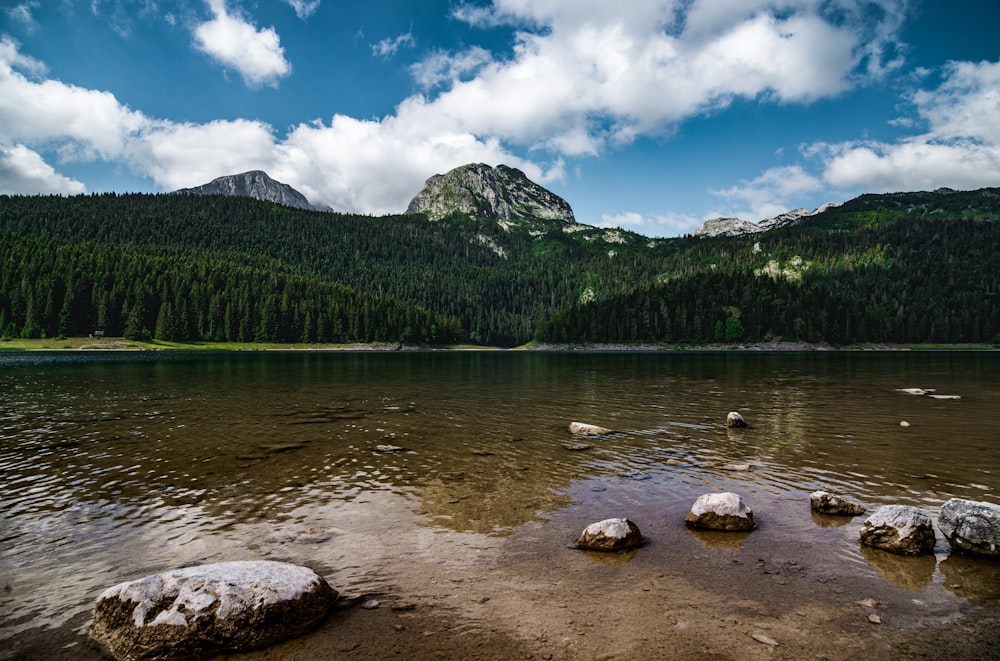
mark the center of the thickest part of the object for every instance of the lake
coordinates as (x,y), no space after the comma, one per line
(118,465)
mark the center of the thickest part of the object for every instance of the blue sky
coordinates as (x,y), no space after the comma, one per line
(652,115)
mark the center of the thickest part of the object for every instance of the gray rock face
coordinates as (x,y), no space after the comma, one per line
(500,194)
(198,612)
(610,535)
(739,227)
(900,529)
(255,184)
(971,527)
(828,503)
(721,511)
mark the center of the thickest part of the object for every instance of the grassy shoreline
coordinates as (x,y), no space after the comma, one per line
(122,344)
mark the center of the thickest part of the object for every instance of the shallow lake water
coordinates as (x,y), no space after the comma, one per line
(117,465)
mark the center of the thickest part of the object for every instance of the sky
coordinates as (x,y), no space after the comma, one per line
(650,115)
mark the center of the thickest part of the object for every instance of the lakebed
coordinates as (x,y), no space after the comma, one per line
(116,465)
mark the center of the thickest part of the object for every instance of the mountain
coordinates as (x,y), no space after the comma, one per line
(905,267)
(501,194)
(256,184)
(739,227)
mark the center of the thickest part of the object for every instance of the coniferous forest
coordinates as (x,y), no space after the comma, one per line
(906,267)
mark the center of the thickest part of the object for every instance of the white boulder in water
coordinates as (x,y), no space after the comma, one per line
(971,527)
(736,420)
(610,535)
(721,511)
(900,529)
(199,612)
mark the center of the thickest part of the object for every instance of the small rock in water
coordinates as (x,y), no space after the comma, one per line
(371,604)
(915,391)
(584,429)
(828,503)
(736,420)
(767,640)
(868,603)
(904,423)
(736,467)
(674,462)
(874,619)
(945,396)
(388,449)
(579,447)
(610,535)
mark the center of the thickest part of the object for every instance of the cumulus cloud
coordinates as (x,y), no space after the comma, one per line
(231,40)
(959,149)
(25,172)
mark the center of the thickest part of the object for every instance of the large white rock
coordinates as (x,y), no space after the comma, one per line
(734,419)
(721,511)
(610,535)
(197,612)
(900,529)
(971,527)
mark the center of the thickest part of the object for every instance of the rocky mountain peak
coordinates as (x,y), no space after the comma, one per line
(501,194)
(256,184)
(739,227)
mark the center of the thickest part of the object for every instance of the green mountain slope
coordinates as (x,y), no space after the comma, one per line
(906,268)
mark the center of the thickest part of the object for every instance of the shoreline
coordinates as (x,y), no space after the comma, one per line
(121,344)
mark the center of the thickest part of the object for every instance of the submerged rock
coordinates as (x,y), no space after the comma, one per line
(721,511)
(584,429)
(198,612)
(389,449)
(610,535)
(899,529)
(828,503)
(971,527)
(736,420)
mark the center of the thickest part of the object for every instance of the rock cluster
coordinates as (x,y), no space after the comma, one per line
(198,612)
(899,529)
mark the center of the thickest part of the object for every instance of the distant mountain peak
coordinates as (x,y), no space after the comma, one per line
(256,184)
(501,194)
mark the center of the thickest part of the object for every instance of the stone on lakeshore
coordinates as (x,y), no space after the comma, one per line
(721,511)
(610,535)
(199,612)
(899,529)
(736,420)
(584,429)
(825,502)
(971,527)
(389,449)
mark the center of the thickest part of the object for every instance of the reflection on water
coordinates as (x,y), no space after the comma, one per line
(907,572)
(720,540)
(116,465)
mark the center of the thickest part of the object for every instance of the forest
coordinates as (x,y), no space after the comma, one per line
(907,268)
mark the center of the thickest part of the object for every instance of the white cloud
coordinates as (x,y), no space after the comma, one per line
(670,224)
(304,8)
(22,14)
(445,68)
(960,148)
(770,194)
(256,54)
(389,47)
(25,172)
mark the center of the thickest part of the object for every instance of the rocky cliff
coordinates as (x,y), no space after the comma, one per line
(502,194)
(256,184)
(739,227)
